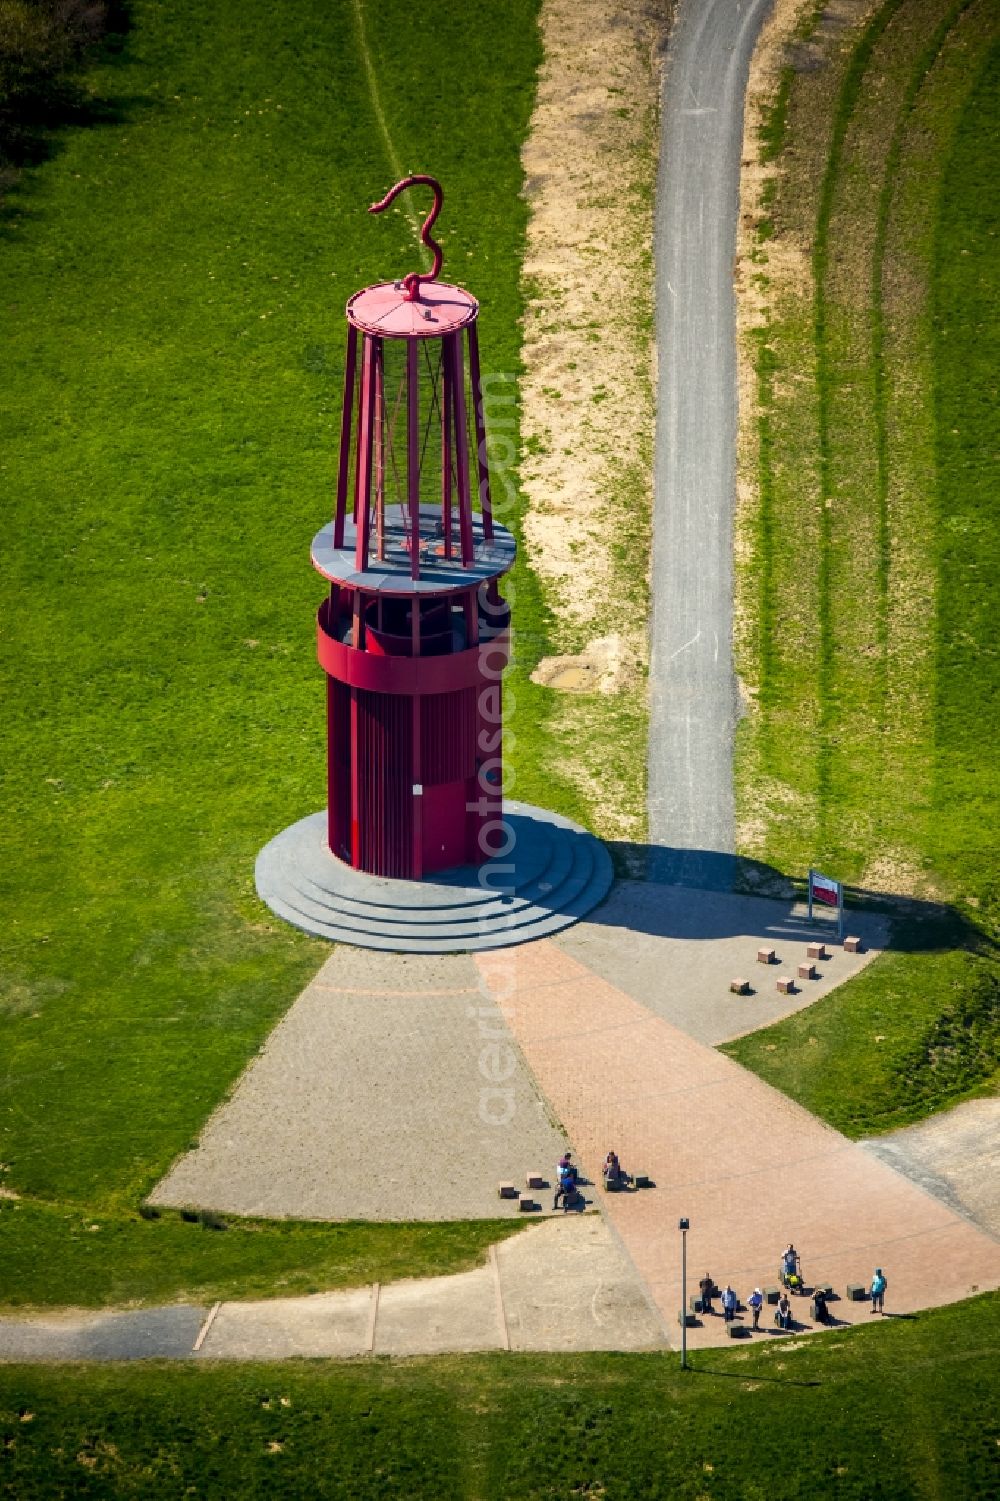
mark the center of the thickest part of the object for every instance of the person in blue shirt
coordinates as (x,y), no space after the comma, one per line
(729,1302)
(755,1303)
(566,1182)
(878,1290)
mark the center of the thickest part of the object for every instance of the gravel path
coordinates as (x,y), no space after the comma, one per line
(955,1156)
(694,700)
(391,1090)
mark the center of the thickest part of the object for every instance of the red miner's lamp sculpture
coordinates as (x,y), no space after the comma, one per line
(418,850)
(413,635)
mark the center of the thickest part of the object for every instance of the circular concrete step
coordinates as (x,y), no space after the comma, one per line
(554,874)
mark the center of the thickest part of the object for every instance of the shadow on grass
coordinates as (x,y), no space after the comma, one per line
(33,129)
(703,1370)
(917,925)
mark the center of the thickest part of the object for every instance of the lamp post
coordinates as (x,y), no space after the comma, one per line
(683,1226)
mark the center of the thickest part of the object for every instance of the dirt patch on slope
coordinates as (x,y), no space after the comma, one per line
(588,389)
(604,667)
(589,162)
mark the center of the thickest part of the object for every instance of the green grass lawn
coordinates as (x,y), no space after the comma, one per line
(872,546)
(884,1051)
(172,284)
(905,1409)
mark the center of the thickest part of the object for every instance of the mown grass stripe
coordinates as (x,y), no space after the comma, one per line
(847,101)
(921,69)
(965,296)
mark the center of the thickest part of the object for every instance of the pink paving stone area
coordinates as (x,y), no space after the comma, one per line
(748,1167)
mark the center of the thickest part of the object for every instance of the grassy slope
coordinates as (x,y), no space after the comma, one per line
(872,691)
(173,287)
(904,1409)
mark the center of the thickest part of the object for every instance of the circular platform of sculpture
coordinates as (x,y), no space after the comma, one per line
(551,875)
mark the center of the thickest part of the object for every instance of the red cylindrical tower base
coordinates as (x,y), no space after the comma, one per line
(414,634)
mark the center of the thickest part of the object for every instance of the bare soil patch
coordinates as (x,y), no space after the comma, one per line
(604,667)
(589,161)
(588,388)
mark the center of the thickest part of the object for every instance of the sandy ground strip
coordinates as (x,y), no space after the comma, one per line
(588,162)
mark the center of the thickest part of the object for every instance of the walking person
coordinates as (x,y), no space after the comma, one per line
(879,1285)
(755,1303)
(790,1265)
(729,1302)
(706,1287)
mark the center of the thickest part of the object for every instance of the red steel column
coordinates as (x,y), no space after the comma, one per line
(345,436)
(413,452)
(485,502)
(379,452)
(454,342)
(363,489)
(446,403)
(417,821)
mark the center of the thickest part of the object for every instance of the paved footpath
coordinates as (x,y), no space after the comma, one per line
(563,1285)
(694,703)
(749,1168)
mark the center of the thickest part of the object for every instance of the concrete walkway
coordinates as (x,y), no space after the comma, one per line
(748,1167)
(676,950)
(563,1285)
(955,1156)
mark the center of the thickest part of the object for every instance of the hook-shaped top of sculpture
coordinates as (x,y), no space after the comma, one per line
(411,282)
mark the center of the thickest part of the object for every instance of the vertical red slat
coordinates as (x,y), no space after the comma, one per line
(485,502)
(454,342)
(355,788)
(363,490)
(446,456)
(413,452)
(345,437)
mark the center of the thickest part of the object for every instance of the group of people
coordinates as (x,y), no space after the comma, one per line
(567,1178)
(791,1280)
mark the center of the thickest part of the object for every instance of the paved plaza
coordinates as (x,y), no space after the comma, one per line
(750,1168)
(407,1087)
